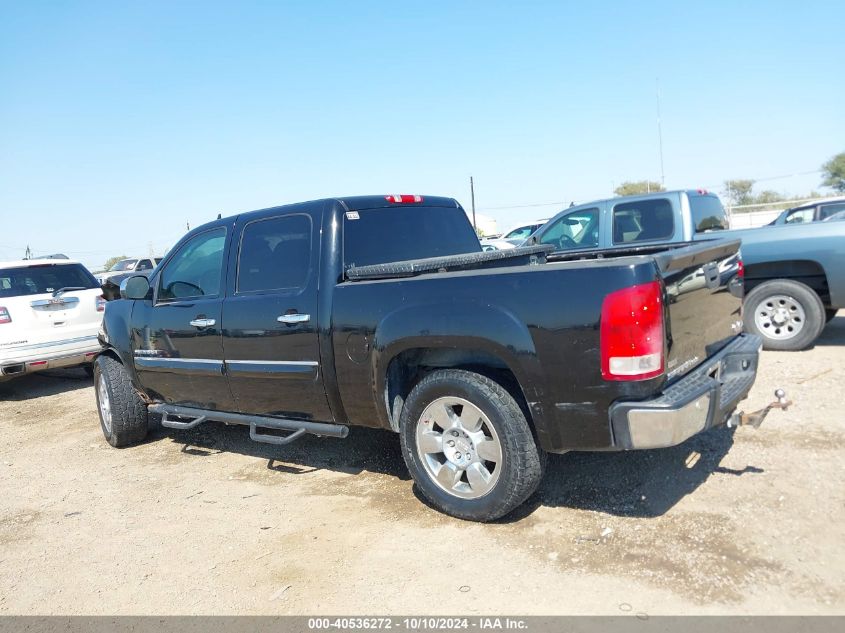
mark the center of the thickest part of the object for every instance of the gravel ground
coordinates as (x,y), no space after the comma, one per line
(730,522)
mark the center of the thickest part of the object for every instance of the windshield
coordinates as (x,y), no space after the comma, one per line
(394,234)
(522,232)
(123,264)
(44,278)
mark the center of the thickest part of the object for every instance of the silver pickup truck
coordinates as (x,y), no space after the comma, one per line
(794,274)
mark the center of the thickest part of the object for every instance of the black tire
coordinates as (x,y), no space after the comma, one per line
(829,313)
(520,469)
(128,424)
(764,297)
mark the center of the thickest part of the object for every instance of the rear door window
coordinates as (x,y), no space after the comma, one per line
(643,221)
(44,278)
(275,254)
(827,210)
(708,214)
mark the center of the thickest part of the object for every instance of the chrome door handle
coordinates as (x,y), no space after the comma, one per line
(294,318)
(202,322)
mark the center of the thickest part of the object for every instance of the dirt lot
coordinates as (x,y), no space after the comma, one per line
(208,522)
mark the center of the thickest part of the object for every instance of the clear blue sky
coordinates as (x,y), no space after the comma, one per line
(122,121)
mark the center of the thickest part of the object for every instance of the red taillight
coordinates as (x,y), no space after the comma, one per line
(632,333)
(101,303)
(5,317)
(702,192)
(403,198)
(740,269)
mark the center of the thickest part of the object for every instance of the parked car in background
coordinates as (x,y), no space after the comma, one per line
(127,266)
(794,274)
(50,313)
(382,311)
(811,212)
(513,237)
(110,280)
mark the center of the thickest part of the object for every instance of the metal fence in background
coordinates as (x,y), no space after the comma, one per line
(748,216)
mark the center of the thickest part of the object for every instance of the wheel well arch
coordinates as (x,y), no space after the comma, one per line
(111,352)
(410,366)
(806,271)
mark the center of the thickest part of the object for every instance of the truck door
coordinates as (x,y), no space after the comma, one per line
(270,315)
(178,349)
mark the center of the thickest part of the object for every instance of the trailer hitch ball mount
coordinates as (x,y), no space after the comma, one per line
(755,418)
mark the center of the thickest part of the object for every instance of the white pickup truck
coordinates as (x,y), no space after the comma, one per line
(50,313)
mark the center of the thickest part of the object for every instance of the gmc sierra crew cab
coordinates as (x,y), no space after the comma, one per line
(383,311)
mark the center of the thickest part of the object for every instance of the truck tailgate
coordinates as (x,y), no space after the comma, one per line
(704,297)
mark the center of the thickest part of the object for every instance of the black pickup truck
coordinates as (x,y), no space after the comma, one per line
(383,311)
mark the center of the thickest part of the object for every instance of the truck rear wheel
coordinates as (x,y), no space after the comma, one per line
(123,415)
(468,446)
(787,314)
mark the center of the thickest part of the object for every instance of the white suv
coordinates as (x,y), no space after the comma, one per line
(50,313)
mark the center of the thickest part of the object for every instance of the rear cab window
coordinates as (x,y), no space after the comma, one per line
(708,214)
(39,279)
(399,233)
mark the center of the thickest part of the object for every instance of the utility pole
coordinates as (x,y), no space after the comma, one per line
(28,254)
(730,204)
(659,133)
(472,195)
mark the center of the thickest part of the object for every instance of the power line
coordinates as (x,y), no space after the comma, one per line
(527,205)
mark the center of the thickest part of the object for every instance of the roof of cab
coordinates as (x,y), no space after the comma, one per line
(359,203)
(39,261)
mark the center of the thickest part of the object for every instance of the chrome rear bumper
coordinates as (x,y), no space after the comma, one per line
(704,398)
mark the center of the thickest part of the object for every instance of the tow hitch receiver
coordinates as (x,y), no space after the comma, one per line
(755,418)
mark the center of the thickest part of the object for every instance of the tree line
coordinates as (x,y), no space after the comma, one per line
(740,192)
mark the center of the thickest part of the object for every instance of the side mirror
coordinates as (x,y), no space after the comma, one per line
(137,287)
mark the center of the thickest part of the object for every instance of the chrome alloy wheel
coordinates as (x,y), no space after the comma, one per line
(779,317)
(459,447)
(105,403)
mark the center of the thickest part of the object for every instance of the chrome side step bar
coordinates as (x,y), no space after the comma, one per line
(192,417)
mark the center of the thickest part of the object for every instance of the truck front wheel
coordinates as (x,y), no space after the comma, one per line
(468,446)
(787,314)
(123,415)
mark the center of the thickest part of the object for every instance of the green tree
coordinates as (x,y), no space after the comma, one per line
(768,196)
(738,191)
(834,173)
(111,261)
(633,188)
